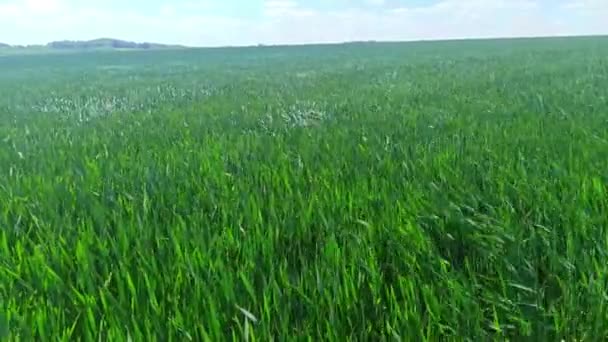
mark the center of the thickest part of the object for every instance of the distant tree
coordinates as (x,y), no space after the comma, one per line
(104,43)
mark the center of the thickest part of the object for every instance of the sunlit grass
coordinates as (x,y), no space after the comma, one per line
(408,192)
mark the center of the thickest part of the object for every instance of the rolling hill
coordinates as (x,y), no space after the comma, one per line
(107,43)
(95,44)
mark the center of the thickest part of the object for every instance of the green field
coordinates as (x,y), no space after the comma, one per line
(373,191)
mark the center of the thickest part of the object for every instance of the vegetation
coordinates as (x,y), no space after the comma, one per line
(80,46)
(419,191)
(106,43)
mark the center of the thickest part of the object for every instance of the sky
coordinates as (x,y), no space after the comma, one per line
(250,22)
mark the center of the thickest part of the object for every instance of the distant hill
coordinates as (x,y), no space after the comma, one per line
(106,43)
(2,45)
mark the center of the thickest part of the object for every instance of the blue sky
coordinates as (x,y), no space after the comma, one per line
(246,22)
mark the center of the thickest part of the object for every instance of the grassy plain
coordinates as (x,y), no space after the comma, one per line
(397,191)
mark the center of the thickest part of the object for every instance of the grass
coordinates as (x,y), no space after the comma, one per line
(419,191)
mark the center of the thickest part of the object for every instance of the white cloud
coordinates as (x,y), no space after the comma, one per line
(587,5)
(445,19)
(43,6)
(8,10)
(285,8)
(591,15)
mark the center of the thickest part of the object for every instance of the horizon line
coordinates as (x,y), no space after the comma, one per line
(296,44)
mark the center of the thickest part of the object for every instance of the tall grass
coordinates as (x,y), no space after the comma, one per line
(412,192)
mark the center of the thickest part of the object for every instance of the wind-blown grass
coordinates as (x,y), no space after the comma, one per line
(422,191)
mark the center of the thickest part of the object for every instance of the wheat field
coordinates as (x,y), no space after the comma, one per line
(371,191)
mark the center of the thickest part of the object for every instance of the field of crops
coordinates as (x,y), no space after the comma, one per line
(397,192)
